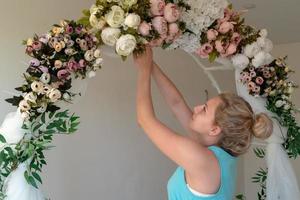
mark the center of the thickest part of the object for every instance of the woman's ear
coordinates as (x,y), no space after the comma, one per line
(215,130)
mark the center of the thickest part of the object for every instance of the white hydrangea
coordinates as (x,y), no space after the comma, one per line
(240,61)
(265,44)
(252,49)
(188,42)
(262,58)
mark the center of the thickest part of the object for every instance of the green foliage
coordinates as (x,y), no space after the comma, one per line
(259,152)
(260,178)
(240,197)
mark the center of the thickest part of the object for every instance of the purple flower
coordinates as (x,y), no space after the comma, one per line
(78,29)
(63,74)
(72,65)
(35,62)
(69,29)
(43,69)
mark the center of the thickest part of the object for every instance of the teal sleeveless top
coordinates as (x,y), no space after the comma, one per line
(178,190)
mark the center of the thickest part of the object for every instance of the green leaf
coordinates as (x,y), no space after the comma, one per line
(37,127)
(84,21)
(43,118)
(37,177)
(212,56)
(2,139)
(86,12)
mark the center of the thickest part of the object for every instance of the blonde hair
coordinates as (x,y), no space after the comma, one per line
(239,124)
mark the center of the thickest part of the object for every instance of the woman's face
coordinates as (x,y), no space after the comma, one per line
(204,117)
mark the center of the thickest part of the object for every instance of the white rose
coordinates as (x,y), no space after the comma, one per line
(263,33)
(132,20)
(46,89)
(97,23)
(115,17)
(45,78)
(262,58)
(91,74)
(70,51)
(37,86)
(54,95)
(251,50)
(98,62)
(66,96)
(89,55)
(279,103)
(97,53)
(30,97)
(94,9)
(110,36)
(24,106)
(286,106)
(125,45)
(240,60)
(127,3)
(265,44)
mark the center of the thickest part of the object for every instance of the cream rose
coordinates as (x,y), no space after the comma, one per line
(125,45)
(37,86)
(24,106)
(30,97)
(54,95)
(132,20)
(127,3)
(115,17)
(110,35)
(97,23)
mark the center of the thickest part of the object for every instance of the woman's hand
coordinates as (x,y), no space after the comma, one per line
(144,61)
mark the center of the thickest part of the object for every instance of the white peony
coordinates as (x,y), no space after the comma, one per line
(240,61)
(251,50)
(97,23)
(262,58)
(45,78)
(97,53)
(125,45)
(115,17)
(54,95)
(110,36)
(265,44)
(132,20)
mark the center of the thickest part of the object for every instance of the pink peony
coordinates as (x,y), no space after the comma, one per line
(225,27)
(221,46)
(160,25)
(231,49)
(144,28)
(173,29)
(82,63)
(37,45)
(204,50)
(236,38)
(171,12)
(63,74)
(212,34)
(157,7)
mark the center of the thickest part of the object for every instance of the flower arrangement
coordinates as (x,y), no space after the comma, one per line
(128,25)
(67,51)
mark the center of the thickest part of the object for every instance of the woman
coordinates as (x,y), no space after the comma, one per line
(220,130)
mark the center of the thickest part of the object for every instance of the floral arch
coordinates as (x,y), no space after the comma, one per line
(73,50)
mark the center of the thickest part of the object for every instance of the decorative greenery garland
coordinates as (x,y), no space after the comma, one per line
(72,50)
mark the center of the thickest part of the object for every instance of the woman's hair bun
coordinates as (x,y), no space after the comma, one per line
(263,126)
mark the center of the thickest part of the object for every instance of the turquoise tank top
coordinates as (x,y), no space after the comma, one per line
(178,190)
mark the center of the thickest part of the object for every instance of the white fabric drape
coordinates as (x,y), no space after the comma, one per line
(281,181)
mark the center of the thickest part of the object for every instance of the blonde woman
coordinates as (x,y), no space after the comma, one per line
(220,130)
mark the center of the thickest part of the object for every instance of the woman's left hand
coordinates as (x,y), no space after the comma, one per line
(144,61)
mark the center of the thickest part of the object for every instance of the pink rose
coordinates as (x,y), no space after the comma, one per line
(37,45)
(44,69)
(171,12)
(160,25)
(63,74)
(144,28)
(259,80)
(212,34)
(221,46)
(81,63)
(227,15)
(204,50)
(251,85)
(225,27)
(29,50)
(236,38)
(157,7)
